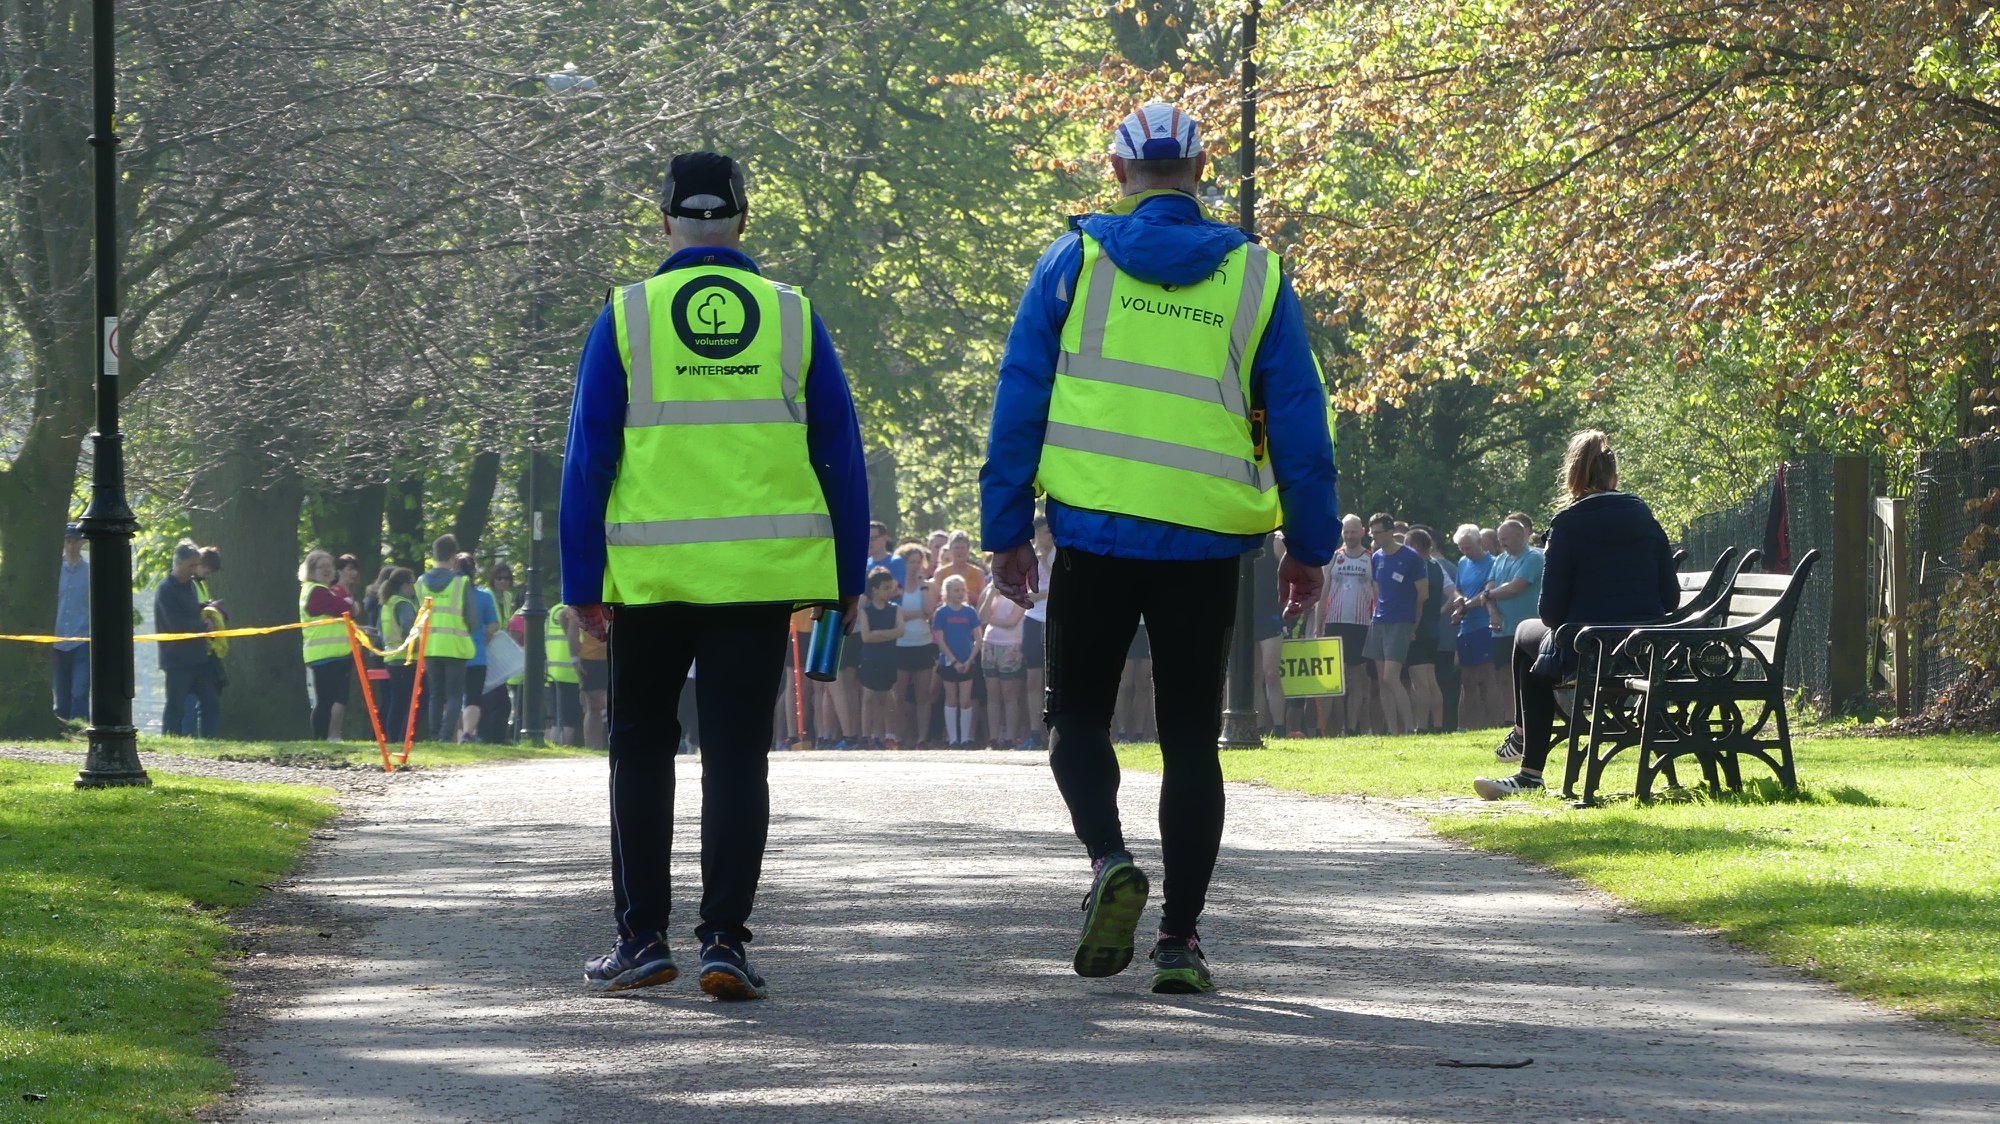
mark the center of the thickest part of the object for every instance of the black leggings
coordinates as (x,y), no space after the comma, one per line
(1095,606)
(1534,696)
(330,682)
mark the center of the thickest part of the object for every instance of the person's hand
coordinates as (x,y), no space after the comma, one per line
(593,619)
(1017,573)
(1298,585)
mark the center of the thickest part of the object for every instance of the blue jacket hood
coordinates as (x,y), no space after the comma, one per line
(1165,239)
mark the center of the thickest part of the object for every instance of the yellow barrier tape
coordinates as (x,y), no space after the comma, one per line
(164,636)
(416,629)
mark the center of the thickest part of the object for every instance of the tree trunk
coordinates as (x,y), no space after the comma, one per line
(403,511)
(251,509)
(34,505)
(350,522)
(477,509)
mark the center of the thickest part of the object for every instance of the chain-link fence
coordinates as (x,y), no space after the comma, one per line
(1947,480)
(1809,526)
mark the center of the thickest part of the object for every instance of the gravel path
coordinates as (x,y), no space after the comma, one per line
(915,925)
(352,780)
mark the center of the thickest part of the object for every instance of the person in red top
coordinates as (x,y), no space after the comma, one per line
(330,677)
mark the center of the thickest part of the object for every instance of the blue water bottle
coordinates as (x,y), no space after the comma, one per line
(823,652)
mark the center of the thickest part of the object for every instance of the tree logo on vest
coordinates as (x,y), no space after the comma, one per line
(715,318)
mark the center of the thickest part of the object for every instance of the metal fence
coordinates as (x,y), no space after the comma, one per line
(1809,524)
(1947,480)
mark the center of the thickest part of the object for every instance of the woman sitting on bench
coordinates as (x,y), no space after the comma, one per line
(1608,562)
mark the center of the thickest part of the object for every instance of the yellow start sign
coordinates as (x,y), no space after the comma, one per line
(1313,668)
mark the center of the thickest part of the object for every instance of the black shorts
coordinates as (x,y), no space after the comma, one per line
(878,673)
(850,651)
(950,674)
(1353,638)
(596,674)
(915,658)
(475,683)
(1034,644)
(1423,652)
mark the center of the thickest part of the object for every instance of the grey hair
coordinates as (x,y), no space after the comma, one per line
(306,567)
(1465,529)
(696,230)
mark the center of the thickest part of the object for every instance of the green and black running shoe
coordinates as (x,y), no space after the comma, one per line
(1111,917)
(1179,967)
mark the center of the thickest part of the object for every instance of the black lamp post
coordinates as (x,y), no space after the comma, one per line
(1239,717)
(113,756)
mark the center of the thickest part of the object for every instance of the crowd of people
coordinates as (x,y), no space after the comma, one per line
(936,657)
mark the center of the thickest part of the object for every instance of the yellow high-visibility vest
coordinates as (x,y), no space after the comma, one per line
(556,645)
(392,632)
(1150,412)
(716,501)
(324,637)
(450,637)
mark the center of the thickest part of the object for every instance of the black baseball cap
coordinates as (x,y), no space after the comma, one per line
(73,531)
(703,185)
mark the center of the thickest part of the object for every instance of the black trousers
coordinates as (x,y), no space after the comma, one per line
(331,679)
(741,649)
(71,669)
(190,685)
(1095,606)
(1534,696)
(396,717)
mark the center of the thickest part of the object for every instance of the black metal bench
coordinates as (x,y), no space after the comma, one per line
(1606,715)
(1713,691)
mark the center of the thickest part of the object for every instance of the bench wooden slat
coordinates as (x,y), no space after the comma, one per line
(1773,583)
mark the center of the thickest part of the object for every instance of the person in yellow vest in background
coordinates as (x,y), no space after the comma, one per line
(398,615)
(322,604)
(215,618)
(713,483)
(564,716)
(1158,387)
(593,670)
(449,648)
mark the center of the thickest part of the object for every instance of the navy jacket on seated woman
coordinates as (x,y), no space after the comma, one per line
(1608,562)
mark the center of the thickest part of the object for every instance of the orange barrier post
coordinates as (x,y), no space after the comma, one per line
(798,693)
(367,691)
(417,690)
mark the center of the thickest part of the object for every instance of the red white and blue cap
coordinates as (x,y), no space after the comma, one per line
(1156,132)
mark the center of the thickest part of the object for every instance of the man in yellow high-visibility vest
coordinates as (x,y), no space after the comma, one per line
(713,483)
(1158,387)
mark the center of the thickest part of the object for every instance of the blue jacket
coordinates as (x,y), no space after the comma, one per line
(1163,238)
(597,440)
(1608,562)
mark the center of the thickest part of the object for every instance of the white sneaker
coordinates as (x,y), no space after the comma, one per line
(1510,750)
(1489,789)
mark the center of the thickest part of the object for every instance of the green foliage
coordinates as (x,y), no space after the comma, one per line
(111,904)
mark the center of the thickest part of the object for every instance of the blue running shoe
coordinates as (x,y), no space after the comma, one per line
(726,972)
(630,964)
(1110,917)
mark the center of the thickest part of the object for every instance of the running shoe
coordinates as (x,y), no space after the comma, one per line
(1506,786)
(1179,967)
(1510,749)
(726,972)
(1110,917)
(631,964)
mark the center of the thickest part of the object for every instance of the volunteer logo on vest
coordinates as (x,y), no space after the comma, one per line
(716,318)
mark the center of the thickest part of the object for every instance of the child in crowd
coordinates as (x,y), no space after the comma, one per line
(881,624)
(955,628)
(1006,672)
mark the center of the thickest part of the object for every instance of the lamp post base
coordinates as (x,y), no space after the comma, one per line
(113,759)
(1239,730)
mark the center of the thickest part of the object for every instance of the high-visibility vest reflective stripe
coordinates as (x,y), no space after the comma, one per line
(392,632)
(324,637)
(1150,412)
(716,501)
(560,670)
(450,637)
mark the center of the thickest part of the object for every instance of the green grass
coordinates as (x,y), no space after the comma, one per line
(309,753)
(1881,875)
(110,925)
